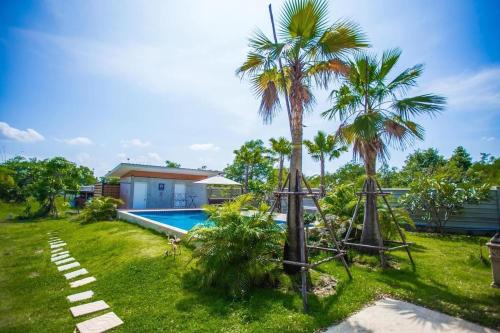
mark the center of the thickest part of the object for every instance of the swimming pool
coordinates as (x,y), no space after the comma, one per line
(183,219)
(171,221)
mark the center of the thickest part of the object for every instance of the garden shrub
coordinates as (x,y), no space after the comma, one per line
(99,209)
(232,249)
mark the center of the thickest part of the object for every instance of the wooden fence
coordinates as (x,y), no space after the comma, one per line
(107,190)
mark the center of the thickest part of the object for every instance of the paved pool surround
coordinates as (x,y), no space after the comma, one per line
(128,215)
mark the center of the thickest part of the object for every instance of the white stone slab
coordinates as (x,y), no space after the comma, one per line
(64,261)
(82,282)
(68,266)
(74,274)
(55,240)
(57,258)
(99,324)
(57,245)
(389,315)
(80,296)
(80,310)
(59,252)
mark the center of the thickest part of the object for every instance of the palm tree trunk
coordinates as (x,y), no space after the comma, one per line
(295,216)
(322,177)
(370,234)
(280,180)
(246,178)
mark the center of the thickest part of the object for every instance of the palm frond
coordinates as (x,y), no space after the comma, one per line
(423,104)
(389,59)
(323,71)
(407,79)
(303,19)
(341,38)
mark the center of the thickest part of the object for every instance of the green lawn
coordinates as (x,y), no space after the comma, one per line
(153,293)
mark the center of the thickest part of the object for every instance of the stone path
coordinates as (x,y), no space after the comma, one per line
(64,262)
(393,316)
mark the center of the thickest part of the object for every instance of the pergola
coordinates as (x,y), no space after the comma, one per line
(220,189)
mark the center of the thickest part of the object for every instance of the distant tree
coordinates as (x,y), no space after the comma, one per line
(252,165)
(376,113)
(487,169)
(8,186)
(171,164)
(282,148)
(421,162)
(461,158)
(324,147)
(388,177)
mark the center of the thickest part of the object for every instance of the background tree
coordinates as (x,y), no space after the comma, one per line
(461,158)
(282,148)
(172,164)
(252,166)
(324,147)
(375,114)
(311,51)
(421,162)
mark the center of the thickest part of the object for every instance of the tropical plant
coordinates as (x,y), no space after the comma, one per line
(99,209)
(437,197)
(172,164)
(310,51)
(375,113)
(321,148)
(252,165)
(232,249)
(282,148)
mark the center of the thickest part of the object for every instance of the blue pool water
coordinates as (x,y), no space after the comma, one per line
(185,220)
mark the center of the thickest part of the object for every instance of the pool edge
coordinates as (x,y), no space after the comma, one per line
(128,216)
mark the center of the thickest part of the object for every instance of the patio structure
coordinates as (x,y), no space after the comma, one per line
(158,187)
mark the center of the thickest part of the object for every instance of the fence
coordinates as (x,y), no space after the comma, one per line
(107,190)
(482,218)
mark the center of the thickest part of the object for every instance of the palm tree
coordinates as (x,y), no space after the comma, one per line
(324,147)
(283,148)
(375,113)
(311,51)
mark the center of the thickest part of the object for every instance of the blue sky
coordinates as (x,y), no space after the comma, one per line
(102,81)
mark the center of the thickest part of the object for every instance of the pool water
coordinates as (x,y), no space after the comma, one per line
(185,220)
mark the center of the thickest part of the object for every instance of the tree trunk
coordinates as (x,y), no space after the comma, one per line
(371,229)
(322,191)
(246,178)
(280,181)
(295,216)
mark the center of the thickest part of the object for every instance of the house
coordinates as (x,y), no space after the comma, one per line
(150,186)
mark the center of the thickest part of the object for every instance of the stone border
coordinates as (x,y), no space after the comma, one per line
(129,216)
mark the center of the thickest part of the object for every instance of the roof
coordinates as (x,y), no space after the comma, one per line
(124,168)
(218,180)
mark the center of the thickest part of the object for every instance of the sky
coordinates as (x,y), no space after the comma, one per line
(104,82)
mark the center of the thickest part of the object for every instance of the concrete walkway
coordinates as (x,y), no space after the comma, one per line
(388,315)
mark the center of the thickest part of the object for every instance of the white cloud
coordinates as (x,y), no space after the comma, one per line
(204,146)
(29,135)
(488,138)
(79,141)
(135,143)
(476,90)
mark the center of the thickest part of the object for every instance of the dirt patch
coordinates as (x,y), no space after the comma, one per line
(326,286)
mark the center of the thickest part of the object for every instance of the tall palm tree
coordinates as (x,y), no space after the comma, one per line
(283,148)
(375,114)
(321,148)
(311,51)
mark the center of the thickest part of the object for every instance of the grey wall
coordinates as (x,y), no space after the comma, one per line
(165,198)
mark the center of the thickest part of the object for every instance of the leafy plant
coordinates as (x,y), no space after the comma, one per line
(436,198)
(99,209)
(232,249)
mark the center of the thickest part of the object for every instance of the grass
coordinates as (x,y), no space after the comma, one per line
(151,292)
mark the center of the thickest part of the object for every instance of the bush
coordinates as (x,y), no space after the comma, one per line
(232,249)
(99,209)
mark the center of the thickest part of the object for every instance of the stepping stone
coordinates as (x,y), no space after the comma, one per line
(74,274)
(64,261)
(80,296)
(56,251)
(99,324)
(82,282)
(84,309)
(68,266)
(57,245)
(52,240)
(62,256)
(59,253)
